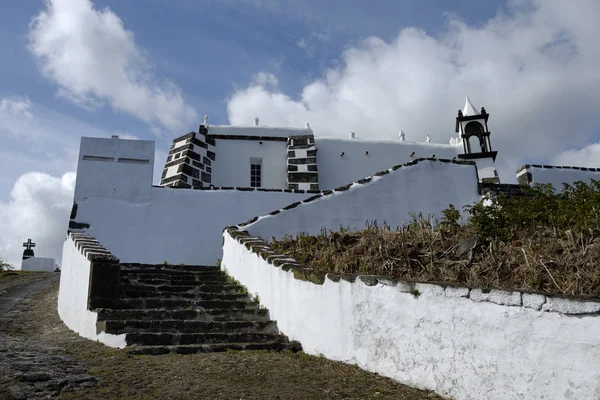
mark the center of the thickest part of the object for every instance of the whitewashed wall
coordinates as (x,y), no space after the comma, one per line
(38,264)
(336,170)
(427,187)
(232,164)
(73,297)
(176,225)
(556,175)
(115,169)
(456,341)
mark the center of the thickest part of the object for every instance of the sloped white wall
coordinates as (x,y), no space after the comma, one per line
(175,225)
(427,187)
(462,343)
(73,297)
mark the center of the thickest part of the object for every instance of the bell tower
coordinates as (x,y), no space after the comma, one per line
(473,130)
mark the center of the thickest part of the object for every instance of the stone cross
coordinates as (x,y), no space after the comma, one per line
(28,244)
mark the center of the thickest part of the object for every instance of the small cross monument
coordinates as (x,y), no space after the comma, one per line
(28,252)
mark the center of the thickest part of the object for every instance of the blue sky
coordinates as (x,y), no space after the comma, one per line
(151,69)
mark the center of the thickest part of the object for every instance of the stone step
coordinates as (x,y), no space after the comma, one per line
(232,289)
(214,314)
(171,304)
(174,275)
(186,326)
(173,282)
(174,267)
(215,347)
(154,339)
(140,294)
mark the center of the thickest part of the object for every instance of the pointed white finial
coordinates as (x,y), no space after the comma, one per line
(307,126)
(206,121)
(402,135)
(452,140)
(469,109)
(428,139)
(256,121)
(352,135)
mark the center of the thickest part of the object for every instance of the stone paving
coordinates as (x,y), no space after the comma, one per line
(31,367)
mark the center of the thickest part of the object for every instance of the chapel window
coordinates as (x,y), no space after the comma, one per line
(255,173)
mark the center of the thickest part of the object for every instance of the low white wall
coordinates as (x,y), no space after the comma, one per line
(427,186)
(73,297)
(458,342)
(38,264)
(176,225)
(556,175)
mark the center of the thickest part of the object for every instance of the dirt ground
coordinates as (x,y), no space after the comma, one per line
(230,375)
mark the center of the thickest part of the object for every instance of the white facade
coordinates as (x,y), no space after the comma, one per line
(232,164)
(295,159)
(115,168)
(362,158)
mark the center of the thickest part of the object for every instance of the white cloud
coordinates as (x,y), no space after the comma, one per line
(39,209)
(94,59)
(589,156)
(533,66)
(15,107)
(265,79)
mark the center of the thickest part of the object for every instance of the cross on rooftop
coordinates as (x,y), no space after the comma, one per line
(28,244)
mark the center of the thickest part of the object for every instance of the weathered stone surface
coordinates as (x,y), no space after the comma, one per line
(532,300)
(30,367)
(568,306)
(452,291)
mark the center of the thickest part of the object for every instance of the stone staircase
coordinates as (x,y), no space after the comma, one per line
(186,309)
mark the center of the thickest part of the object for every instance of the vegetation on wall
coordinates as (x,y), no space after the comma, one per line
(544,241)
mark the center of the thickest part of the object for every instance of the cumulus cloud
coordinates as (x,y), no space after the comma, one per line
(95,60)
(39,209)
(533,66)
(589,156)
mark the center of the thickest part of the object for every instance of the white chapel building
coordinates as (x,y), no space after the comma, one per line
(294,159)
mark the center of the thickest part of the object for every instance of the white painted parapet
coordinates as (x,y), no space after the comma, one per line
(556,175)
(81,255)
(460,342)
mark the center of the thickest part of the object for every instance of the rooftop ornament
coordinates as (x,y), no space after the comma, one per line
(256,121)
(402,135)
(428,139)
(206,121)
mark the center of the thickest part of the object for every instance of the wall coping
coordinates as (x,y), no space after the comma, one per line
(91,249)
(527,166)
(538,301)
(239,188)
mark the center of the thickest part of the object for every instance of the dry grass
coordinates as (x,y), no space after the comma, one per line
(541,260)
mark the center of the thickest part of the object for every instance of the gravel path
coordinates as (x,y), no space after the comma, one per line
(30,367)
